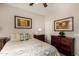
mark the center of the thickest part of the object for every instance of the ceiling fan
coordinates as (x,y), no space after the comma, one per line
(44,4)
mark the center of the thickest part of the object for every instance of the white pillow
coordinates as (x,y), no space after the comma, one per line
(19,36)
(26,36)
(22,37)
(15,36)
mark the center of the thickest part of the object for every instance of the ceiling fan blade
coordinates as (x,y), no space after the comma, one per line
(45,4)
(31,4)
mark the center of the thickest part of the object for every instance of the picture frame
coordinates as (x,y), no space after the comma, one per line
(22,22)
(65,24)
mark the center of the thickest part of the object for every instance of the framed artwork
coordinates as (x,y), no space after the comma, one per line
(65,24)
(23,22)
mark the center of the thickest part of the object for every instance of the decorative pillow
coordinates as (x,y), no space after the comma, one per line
(15,36)
(19,36)
(26,36)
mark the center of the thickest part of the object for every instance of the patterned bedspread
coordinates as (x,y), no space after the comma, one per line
(31,47)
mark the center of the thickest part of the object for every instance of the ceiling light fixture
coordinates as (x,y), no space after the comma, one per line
(44,4)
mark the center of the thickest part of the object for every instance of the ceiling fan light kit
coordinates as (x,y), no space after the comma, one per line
(31,4)
(44,4)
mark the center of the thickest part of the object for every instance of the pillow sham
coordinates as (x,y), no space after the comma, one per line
(15,37)
(26,36)
(19,36)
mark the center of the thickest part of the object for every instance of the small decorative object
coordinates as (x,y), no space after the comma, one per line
(65,24)
(21,37)
(23,22)
(61,33)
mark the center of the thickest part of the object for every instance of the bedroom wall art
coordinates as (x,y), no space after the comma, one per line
(23,22)
(65,24)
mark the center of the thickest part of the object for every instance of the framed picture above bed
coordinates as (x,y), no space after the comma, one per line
(22,22)
(65,24)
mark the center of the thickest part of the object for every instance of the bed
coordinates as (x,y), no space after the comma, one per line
(31,47)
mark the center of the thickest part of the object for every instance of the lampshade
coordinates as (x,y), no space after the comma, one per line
(39,29)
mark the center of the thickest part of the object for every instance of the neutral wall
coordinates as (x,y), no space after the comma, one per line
(7,14)
(62,11)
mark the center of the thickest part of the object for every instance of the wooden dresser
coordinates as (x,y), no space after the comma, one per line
(3,40)
(40,37)
(64,45)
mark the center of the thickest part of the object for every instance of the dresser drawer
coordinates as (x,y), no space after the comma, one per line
(66,41)
(65,47)
(66,52)
(54,43)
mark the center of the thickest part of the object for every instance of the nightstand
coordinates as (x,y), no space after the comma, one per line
(3,40)
(40,37)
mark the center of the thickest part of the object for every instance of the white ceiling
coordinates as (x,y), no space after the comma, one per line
(36,8)
(41,10)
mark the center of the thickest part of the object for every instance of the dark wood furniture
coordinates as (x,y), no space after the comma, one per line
(64,45)
(3,40)
(40,37)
